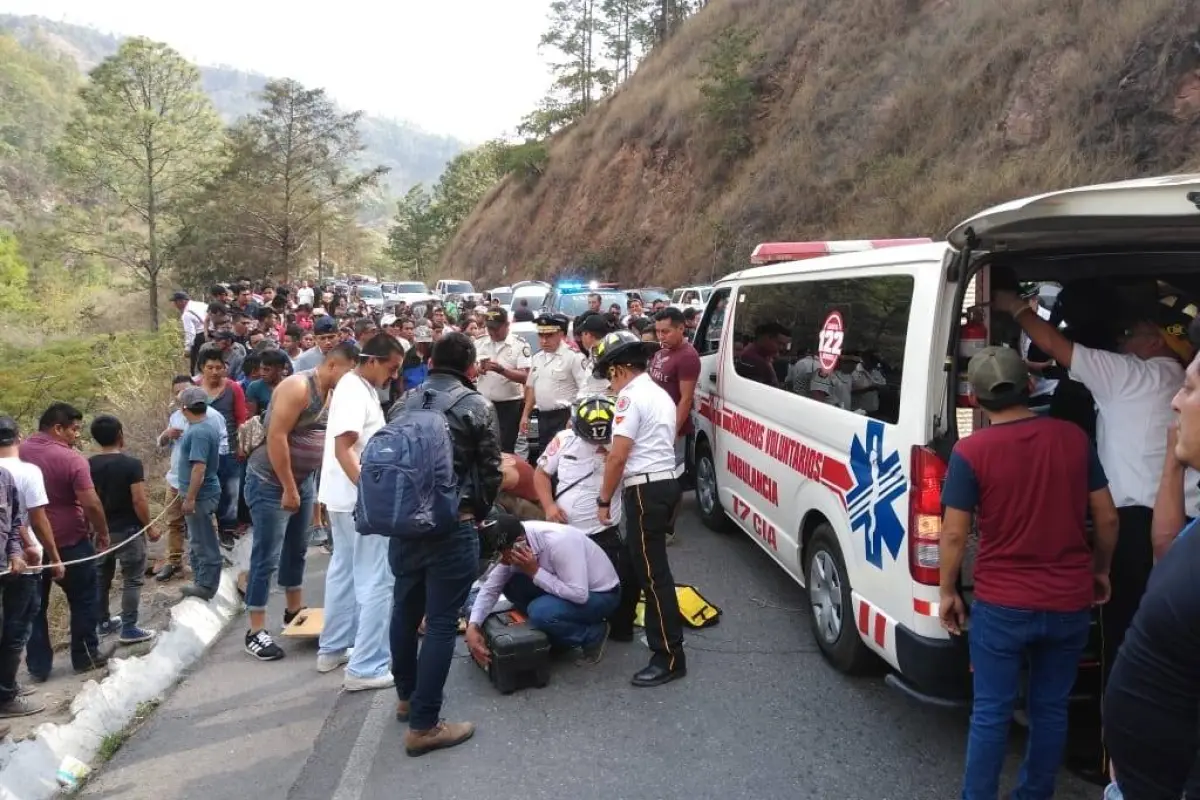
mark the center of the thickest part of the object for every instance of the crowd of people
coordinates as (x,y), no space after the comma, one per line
(283,388)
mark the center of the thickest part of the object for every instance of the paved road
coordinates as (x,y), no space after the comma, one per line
(759,715)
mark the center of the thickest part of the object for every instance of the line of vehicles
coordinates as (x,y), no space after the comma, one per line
(846,496)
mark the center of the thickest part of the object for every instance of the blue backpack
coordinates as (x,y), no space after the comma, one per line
(407,487)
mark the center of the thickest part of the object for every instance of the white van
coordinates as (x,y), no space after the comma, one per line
(842,491)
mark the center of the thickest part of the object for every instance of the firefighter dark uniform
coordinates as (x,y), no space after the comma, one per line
(645,415)
(555,379)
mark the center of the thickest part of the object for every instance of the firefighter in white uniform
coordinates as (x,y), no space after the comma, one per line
(576,458)
(555,379)
(641,464)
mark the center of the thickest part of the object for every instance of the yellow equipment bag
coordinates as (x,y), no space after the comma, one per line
(693,608)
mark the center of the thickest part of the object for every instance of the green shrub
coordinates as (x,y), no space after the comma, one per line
(728,88)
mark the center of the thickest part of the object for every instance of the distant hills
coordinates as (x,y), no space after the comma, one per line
(414,156)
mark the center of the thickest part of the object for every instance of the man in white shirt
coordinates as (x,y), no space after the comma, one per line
(305,295)
(576,458)
(641,463)
(555,379)
(1133,390)
(556,576)
(192,314)
(358,580)
(503,361)
(39,538)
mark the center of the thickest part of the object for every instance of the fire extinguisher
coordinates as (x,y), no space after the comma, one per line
(972,338)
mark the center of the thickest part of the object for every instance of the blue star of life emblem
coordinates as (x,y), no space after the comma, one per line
(878,481)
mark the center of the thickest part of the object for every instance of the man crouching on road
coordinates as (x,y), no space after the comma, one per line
(555,575)
(434,575)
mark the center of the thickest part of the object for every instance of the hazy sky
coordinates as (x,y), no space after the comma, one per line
(469,68)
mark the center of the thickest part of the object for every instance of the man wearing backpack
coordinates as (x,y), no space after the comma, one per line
(434,573)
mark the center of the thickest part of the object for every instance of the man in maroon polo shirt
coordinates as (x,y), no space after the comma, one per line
(73,504)
(676,368)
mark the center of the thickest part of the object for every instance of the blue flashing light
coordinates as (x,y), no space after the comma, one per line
(572,286)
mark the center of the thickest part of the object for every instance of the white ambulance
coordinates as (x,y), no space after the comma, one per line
(829,398)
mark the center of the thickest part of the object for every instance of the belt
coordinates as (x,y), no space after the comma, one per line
(553,411)
(651,477)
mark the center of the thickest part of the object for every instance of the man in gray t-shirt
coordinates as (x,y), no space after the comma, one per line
(325,332)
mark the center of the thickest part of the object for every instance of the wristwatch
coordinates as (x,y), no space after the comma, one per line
(603,503)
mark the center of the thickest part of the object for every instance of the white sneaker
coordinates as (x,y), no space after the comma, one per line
(328,662)
(353,683)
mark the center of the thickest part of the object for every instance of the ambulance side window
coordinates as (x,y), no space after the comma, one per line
(847,339)
(708,333)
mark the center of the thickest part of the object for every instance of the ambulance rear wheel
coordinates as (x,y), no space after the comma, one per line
(708,501)
(832,616)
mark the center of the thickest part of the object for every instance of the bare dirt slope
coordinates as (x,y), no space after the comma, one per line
(872,118)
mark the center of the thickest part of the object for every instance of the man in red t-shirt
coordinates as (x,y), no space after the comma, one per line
(676,368)
(1030,483)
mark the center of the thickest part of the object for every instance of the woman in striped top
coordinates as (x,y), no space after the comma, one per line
(280,491)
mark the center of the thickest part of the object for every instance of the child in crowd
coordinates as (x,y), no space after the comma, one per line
(121,484)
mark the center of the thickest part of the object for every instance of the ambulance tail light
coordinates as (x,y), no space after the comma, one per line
(925,516)
(775,252)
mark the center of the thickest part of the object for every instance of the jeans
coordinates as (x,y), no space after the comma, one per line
(565,624)
(204,549)
(1002,641)
(132,558)
(229,472)
(433,577)
(80,585)
(20,596)
(280,539)
(358,598)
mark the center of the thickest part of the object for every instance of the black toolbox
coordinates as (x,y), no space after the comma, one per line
(520,654)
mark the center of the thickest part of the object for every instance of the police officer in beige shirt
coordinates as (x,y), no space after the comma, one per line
(555,379)
(504,362)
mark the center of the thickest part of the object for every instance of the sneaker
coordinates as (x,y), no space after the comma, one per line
(25,691)
(133,634)
(262,646)
(354,683)
(289,616)
(439,737)
(109,626)
(199,592)
(227,540)
(594,652)
(21,707)
(328,662)
(99,661)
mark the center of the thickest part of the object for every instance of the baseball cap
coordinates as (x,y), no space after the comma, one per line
(325,325)
(1175,317)
(179,296)
(8,431)
(496,317)
(498,533)
(997,372)
(423,334)
(193,399)
(595,324)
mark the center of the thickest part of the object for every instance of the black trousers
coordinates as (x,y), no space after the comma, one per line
(613,545)
(649,517)
(508,415)
(550,424)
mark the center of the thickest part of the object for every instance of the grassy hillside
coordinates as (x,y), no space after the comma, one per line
(869,118)
(415,156)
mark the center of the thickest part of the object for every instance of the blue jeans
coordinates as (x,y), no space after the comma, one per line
(1002,641)
(358,598)
(433,577)
(229,472)
(280,539)
(566,624)
(80,584)
(20,598)
(204,549)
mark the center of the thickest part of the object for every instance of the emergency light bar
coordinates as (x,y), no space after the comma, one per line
(775,252)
